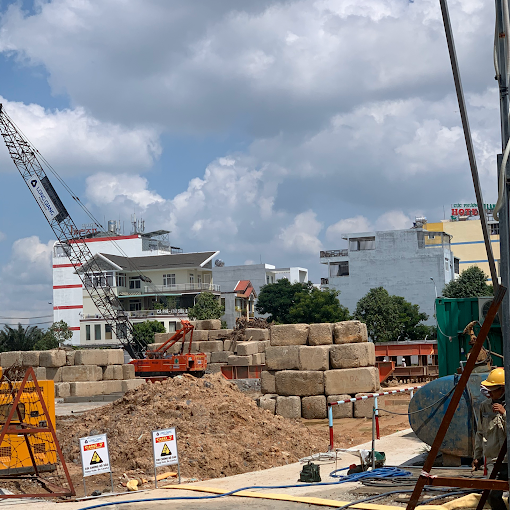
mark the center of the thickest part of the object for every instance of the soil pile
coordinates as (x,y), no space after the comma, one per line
(220,431)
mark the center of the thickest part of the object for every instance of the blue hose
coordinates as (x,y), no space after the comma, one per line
(376,473)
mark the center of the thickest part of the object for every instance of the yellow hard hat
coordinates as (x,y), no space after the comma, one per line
(495,378)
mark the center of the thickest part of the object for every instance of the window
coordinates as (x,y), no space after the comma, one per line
(169,280)
(207,278)
(267,279)
(191,278)
(172,327)
(339,269)
(87,332)
(456,266)
(107,332)
(135,305)
(135,283)
(199,279)
(163,324)
(362,243)
(121,279)
(494,229)
(97,331)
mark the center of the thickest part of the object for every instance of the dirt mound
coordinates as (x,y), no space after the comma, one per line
(220,431)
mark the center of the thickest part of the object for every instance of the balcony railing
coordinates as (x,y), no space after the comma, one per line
(162,289)
(334,253)
(176,312)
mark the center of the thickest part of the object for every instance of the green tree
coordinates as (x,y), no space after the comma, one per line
(389,318)
(472,282)
(54,337)
(207,306)
(318,306)
(276,299)
(20,338)
(143,332)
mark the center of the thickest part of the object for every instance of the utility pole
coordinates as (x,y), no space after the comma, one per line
(501,42)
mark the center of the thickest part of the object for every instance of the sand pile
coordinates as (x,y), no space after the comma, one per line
(220,431)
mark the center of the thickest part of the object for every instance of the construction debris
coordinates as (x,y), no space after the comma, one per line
(220,431)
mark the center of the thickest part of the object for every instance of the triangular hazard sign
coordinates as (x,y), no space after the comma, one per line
(165,451)
(96,459)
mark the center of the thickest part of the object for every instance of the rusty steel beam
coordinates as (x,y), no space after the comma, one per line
(424,478)
(468,483)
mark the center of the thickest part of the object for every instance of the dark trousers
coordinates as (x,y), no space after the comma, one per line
(496,497)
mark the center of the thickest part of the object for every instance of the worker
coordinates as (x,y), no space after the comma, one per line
(491,433)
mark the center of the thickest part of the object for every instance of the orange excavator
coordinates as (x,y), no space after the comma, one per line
(160,362)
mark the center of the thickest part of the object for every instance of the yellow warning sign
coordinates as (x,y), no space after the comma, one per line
(165,450)
(96,459)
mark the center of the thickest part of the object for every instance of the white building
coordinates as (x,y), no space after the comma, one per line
(175,280)
(228,278)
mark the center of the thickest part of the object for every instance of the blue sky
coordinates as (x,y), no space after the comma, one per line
(264,130)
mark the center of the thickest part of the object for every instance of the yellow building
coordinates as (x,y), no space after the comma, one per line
(467,242)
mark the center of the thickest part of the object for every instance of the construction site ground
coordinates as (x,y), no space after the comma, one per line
(398,442)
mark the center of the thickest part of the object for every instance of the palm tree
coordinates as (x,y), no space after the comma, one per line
(20,339)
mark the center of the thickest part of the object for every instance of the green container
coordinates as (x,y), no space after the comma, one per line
(453,315)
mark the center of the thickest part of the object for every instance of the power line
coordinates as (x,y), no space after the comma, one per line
(28,318)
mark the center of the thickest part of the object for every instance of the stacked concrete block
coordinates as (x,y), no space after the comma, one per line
(351,380)
(288,407)
(299,383)
(341,410)
(289,334)
(8,359)
(113,372)
(348,332)
(268,403)
(282,357)
(320,334)
(30,358)
(314,407)
(239,361)
(257,335)
(267,382)
(219,334)
(128,371)
(220,357)
(352,355)
(81,373)
(363,408)
(313,357)
(259,358)
(207,325)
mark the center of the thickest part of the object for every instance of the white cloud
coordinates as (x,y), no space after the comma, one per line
(301,235)
(347,226)
(2,236)
(393,220)
(74,141)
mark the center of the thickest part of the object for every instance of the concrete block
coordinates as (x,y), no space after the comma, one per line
(219,334)
(81,373)
(70,357)
(208,357)
(289,334)
(314,407)
(288,407)
(30,358)
(352,355)
(207,325)
(210,346)
(302,383)
(267,381)
(239,361)
(128,371)
(131,384)
(314,357)
(351,380)
(53,359)
(153,347)
(11,358)
(282,357)
(198,336)
(86,389)
(320,334)
(54,374)
(220,357)
(247,348)
(227,344)
(63,389)
(91,357)
(257,334)
(214,368)
(40,373)
(112,387)
(264,344)
(114,372)
(259,358)
(269,404)
(115,356)
(348,332)
(342,410)
(363,408)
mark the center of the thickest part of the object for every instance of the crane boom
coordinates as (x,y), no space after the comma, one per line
(24,156)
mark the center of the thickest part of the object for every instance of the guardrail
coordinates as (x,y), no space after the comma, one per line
(334,253)
(182,287)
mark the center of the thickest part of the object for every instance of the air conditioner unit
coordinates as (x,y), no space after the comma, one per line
(484,304)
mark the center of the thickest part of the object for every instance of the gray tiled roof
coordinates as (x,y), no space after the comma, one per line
(160,261)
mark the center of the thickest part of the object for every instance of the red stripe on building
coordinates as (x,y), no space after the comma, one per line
(77,286)
(71,307)
(65,265)
(75,329)
(98,239)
